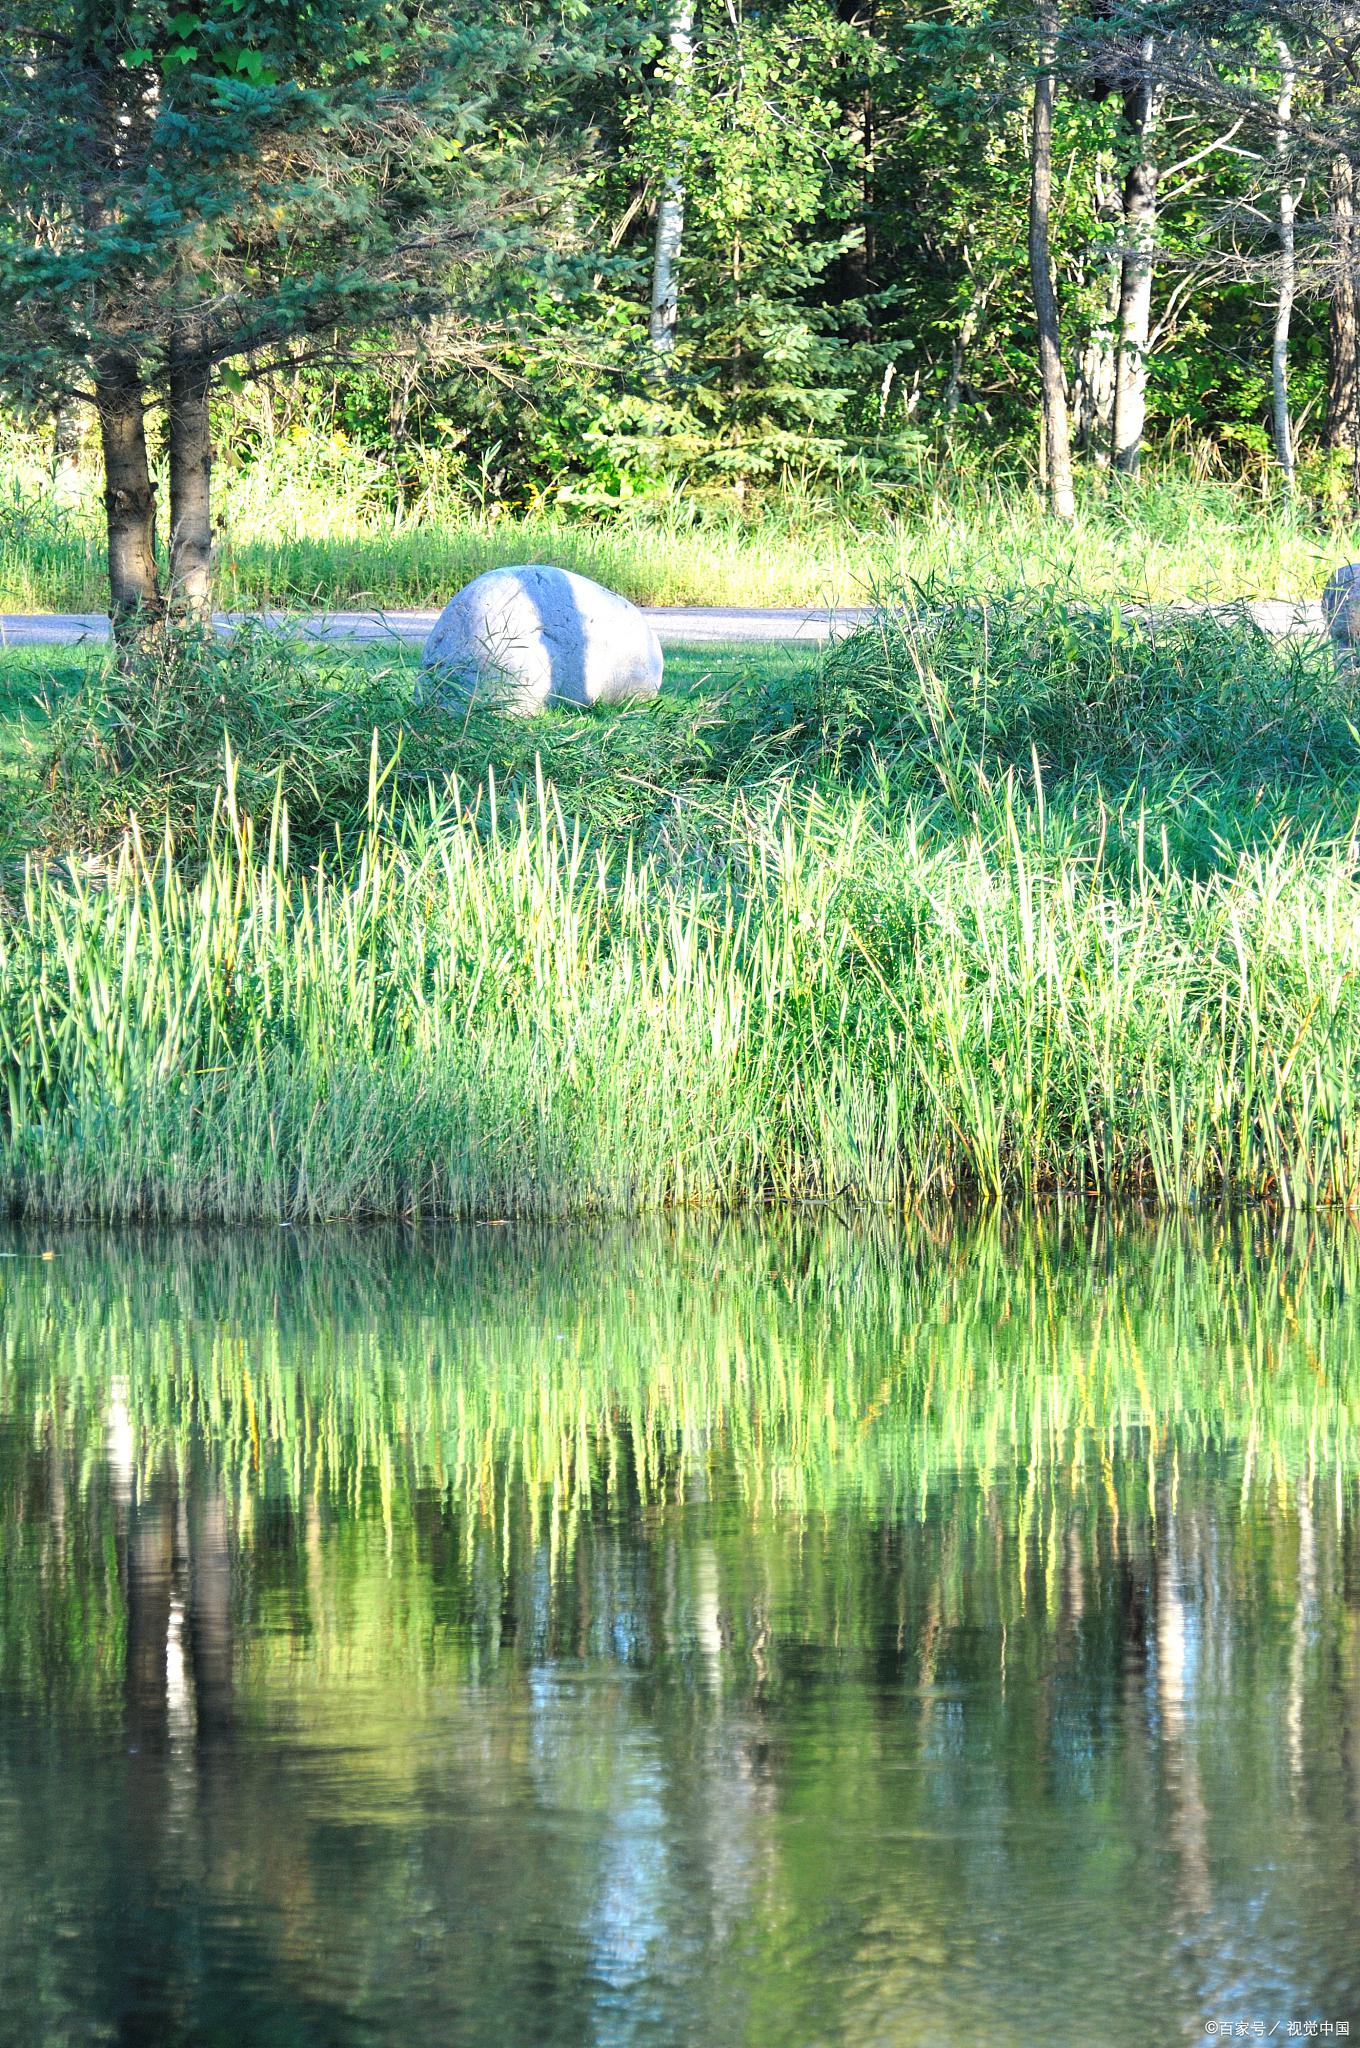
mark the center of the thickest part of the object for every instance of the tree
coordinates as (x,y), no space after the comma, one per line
(1142,108)
(1284,302)
(670,206)
(180,192)
(1053,388)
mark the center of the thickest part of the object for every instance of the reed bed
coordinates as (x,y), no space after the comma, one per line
(810,997)
(994,900)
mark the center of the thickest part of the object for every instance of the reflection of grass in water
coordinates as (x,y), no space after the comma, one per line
(931,1710)
(939,1692)
(418,1439)
(790,1367)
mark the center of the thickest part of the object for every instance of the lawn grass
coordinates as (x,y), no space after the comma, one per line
(990,901)
(312,525)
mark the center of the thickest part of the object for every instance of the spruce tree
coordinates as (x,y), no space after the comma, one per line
(181,189)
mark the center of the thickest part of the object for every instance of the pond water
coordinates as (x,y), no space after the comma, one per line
(705,1634)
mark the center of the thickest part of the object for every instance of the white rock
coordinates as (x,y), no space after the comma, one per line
(1341,604)
(525,635)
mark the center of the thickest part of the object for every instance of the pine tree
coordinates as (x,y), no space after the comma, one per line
(181,190)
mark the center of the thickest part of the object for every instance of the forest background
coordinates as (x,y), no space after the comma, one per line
(756,262)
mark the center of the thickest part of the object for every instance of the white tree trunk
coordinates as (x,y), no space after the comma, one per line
(1284,303)
(1055,452)
(1142,107)
(670,212)
(1093,398)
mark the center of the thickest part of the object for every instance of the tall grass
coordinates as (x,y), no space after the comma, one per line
(1001,901)
(311,523)
(484,1018)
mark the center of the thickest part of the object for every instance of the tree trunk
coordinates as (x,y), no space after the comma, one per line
(190,484)
(1284,303)
(1094,402)
(857,269)
(66,447)
(1343,365)
(1093,405)
(1056,442)
(129,497)
(1141,108)
(670,212)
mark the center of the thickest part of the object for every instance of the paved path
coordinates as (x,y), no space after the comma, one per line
(676,625)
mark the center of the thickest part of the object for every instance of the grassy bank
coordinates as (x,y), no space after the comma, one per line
(315,524)
(999,903)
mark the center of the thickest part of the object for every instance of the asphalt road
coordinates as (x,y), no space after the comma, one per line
(676,625)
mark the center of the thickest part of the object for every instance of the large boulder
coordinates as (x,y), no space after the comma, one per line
(523,636)
(1341,605)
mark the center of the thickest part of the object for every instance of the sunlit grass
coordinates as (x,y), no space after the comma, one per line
(311,524)
(998,902)
(479,1016)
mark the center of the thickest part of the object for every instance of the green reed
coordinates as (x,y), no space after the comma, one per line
(803,996)
(991,900)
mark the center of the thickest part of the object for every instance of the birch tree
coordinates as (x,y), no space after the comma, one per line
(670,208)
(1142,107)
(1057,450)
(1284,300)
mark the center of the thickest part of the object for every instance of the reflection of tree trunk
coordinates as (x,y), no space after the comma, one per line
(149,1563)
(1057,453)
(1188,1819)
(1304,1607)
(56,1468)
(1130,1579)
(1345,1715)
(708,1634)
(209,1609)
(1075,1607)
(145,1961)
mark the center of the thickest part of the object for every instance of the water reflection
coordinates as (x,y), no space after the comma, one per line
(694,1635)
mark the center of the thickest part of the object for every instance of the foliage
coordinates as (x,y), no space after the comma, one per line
(234,176)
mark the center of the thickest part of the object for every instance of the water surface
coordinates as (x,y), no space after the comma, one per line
(699,1635)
